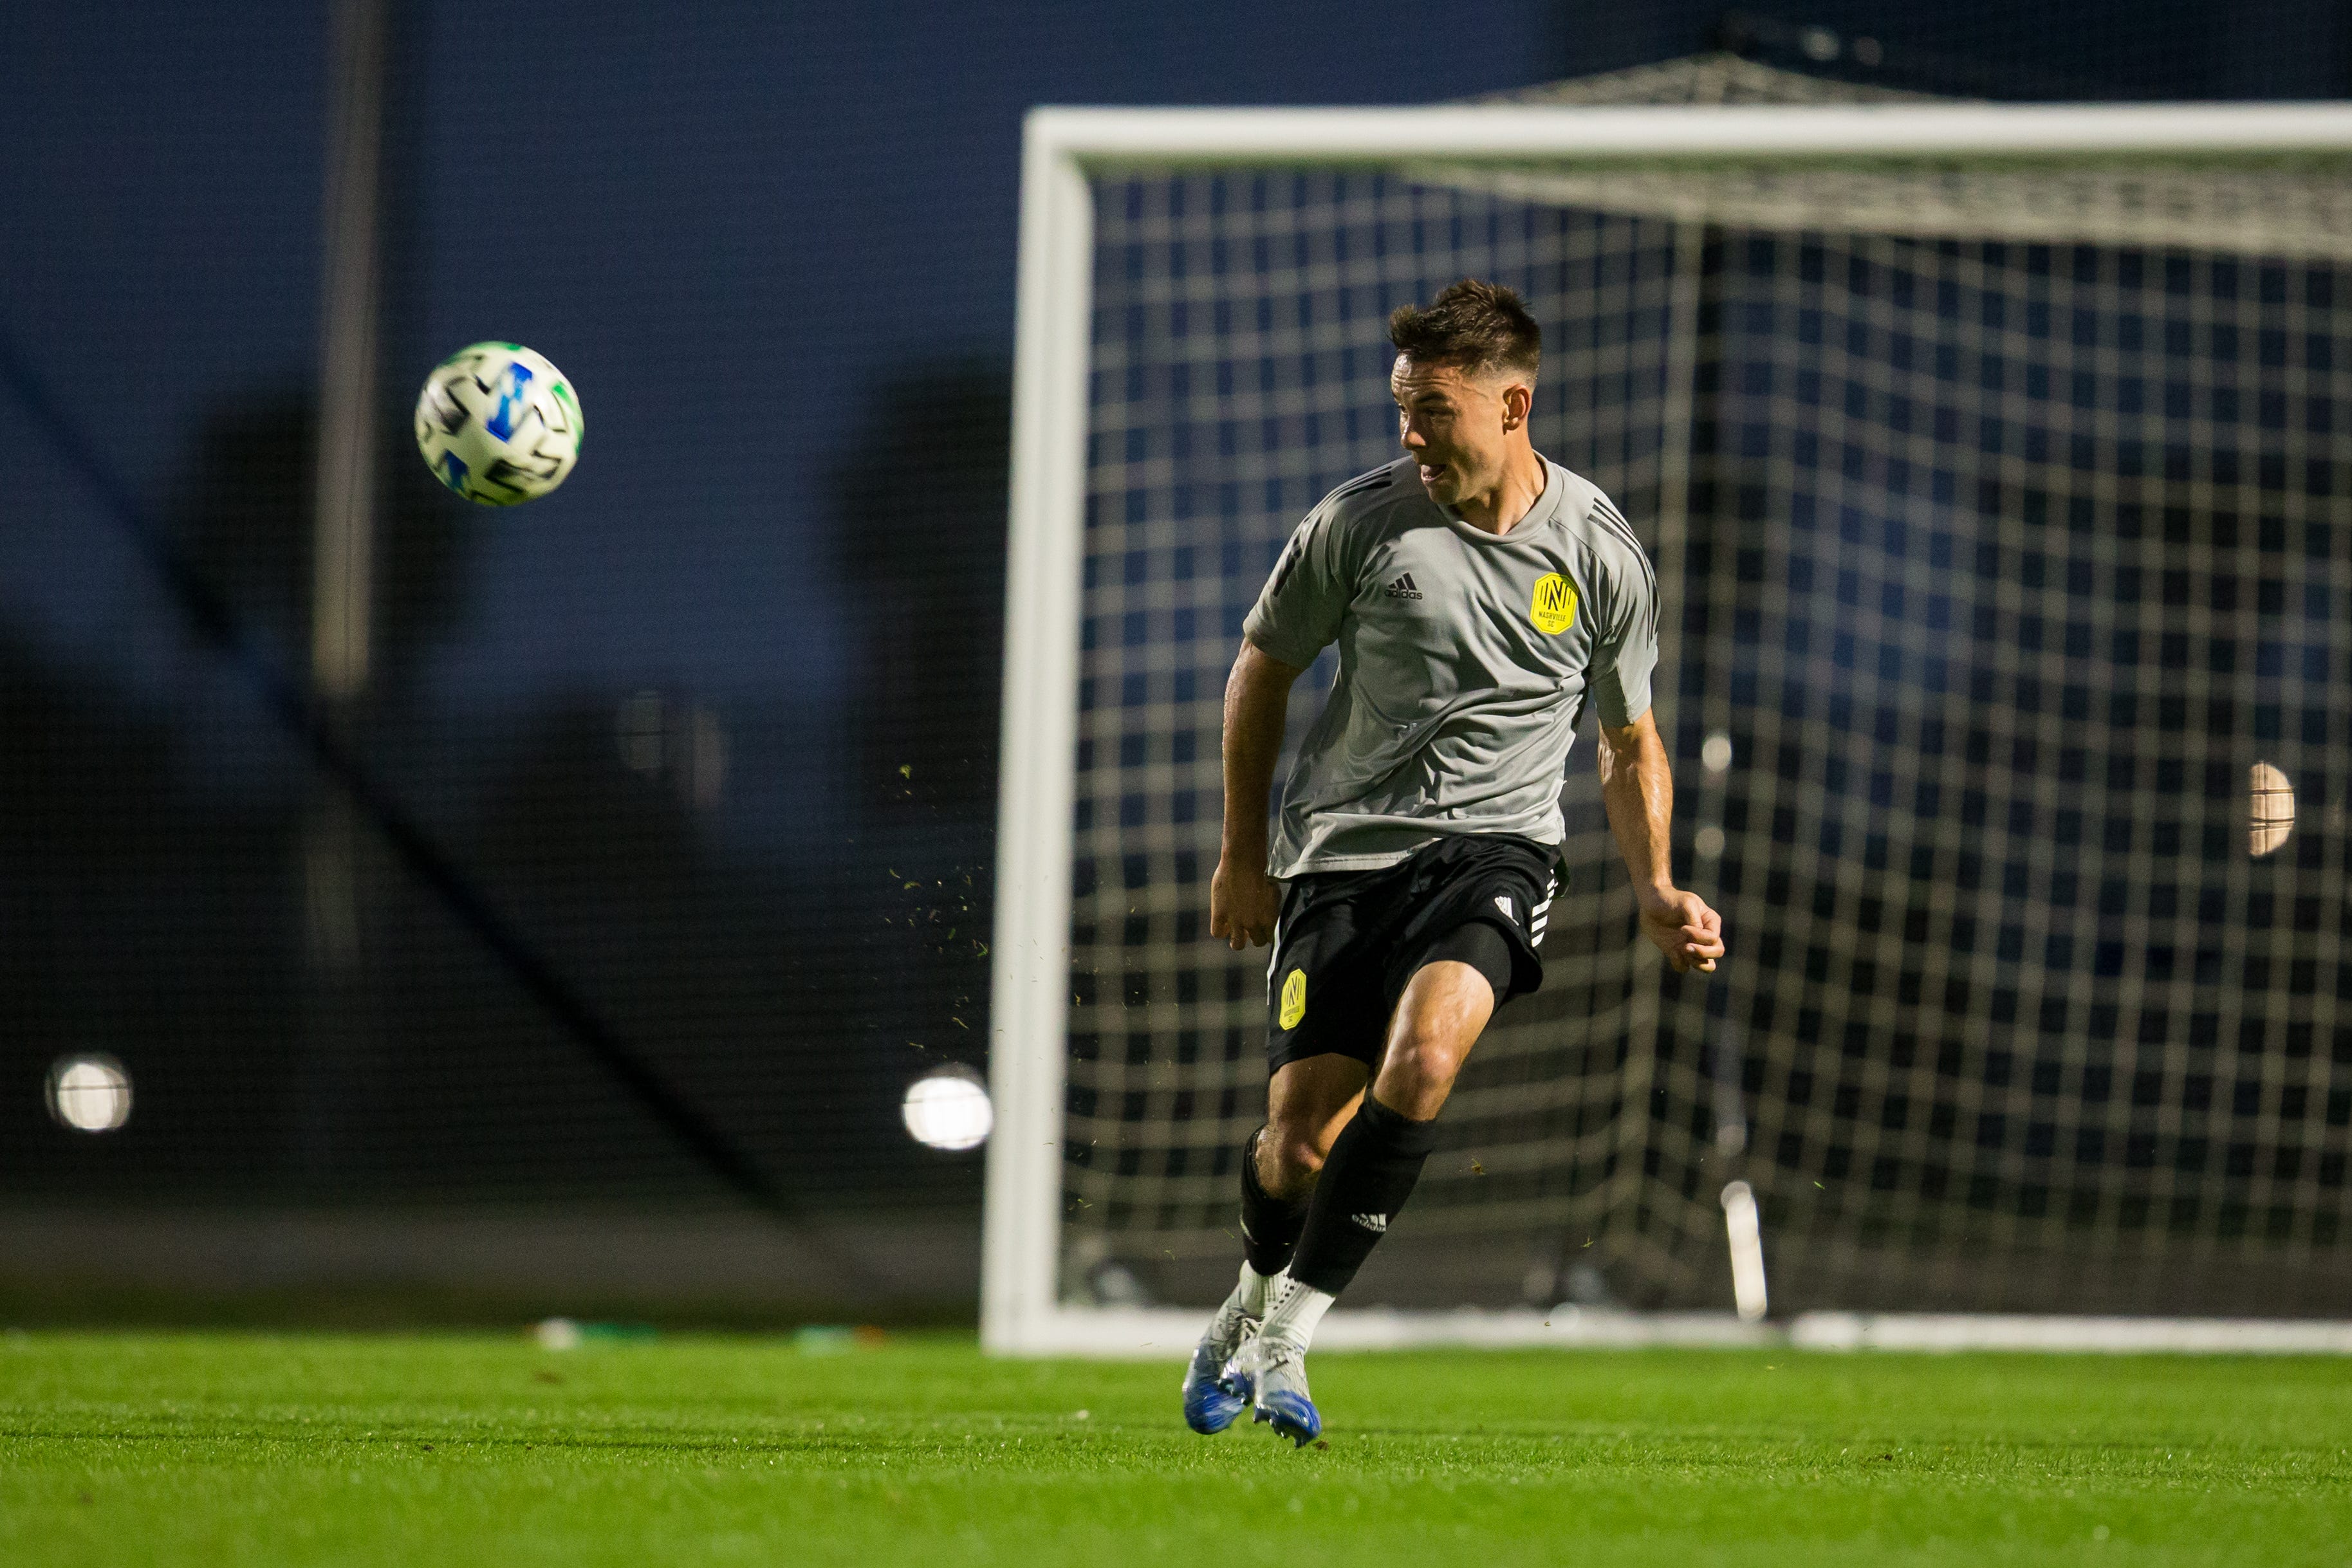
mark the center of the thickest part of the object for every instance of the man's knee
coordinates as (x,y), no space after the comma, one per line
(1418,1072)
(1424,1063)
(1437,1021)
(1291,1158)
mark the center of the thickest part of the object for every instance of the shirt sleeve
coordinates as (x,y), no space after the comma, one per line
(1625,639)
(1297,613)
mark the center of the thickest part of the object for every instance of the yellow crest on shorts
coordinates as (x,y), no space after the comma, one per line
(1554,609)
(1294,998)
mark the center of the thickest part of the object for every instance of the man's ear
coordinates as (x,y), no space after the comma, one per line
(1518,398)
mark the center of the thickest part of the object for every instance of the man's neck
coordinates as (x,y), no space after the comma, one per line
(1503,508)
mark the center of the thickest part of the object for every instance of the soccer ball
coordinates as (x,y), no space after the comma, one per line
(498,423)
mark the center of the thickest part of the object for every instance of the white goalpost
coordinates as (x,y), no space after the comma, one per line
(1268,243)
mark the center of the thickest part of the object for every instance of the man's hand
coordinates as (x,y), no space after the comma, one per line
(1686,931)
(1243,904)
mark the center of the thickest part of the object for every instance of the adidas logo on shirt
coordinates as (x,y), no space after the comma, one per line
(1378,1224)
(1402,588)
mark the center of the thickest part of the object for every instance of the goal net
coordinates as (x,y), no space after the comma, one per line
(1992,462)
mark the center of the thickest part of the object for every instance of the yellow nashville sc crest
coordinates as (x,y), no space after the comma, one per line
(1554,609)
(1294,998)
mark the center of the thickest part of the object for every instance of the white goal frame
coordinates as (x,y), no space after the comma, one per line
(1063,149)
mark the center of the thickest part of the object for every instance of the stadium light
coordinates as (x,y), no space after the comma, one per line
(90,1094)
(948,1109)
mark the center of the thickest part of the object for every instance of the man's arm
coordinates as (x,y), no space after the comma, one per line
(1243,902)
(1637,786)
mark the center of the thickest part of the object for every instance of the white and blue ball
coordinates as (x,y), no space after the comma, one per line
(498,423)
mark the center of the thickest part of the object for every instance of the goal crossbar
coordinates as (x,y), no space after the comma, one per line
(1066,148)
(1106,140)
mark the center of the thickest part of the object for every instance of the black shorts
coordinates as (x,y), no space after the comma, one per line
(1349,942)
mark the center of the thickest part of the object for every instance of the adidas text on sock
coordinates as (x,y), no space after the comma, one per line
(1374,1166)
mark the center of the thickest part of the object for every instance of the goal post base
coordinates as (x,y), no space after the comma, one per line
(1168,1334)
(2107,1335)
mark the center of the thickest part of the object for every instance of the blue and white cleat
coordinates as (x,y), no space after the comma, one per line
(1276,1381)
(1211,1403)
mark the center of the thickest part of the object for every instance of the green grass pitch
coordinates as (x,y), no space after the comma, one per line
(253,1449)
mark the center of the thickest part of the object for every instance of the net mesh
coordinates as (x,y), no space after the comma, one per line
(2020,560)
(1240,373)
(1998,564)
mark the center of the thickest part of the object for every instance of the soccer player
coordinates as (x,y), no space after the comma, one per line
(1481,594)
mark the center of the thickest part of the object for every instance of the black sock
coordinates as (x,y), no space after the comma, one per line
(1374,1164)
(1270,1225)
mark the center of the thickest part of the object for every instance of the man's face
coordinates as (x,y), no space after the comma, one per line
(1456,424)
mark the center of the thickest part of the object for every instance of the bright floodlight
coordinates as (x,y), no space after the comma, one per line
(948,1110)
(1716,753)
(90,1094)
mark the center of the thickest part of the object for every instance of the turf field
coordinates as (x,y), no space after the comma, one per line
(160,1449)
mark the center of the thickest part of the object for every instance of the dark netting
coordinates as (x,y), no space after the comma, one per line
(2018,561)
(1997,568)
(1241,372)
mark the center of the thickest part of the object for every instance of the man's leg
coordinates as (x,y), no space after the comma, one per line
(1377,1158)
(1369,1172)
(1308,1102)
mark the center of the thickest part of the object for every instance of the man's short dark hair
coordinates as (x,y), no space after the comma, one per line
(1473,326)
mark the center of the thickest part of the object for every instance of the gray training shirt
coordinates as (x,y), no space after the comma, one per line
(1465,662)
